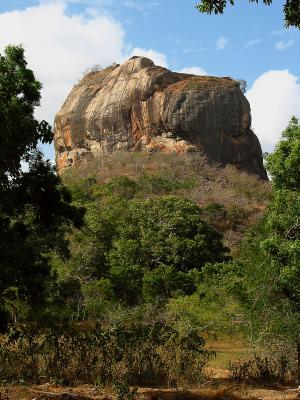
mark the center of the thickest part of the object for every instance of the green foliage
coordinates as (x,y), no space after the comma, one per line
(185,175)
(170,230)
(284,164)
(19,130)
(88,190)
(271,252)
(161,184)
(214,306)
(97,296)
(64,297)
(165,281)
(35,208)
(125,273)
(144,247)
(291,9)
(272,256)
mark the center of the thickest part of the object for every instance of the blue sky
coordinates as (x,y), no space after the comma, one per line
(63,38)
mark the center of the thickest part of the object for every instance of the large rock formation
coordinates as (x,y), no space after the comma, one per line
(140,106)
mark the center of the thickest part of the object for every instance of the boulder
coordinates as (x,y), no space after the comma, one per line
(138,106)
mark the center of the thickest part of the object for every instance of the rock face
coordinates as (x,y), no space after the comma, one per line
(140,106)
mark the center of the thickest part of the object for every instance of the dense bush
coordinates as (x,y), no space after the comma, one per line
(138,354)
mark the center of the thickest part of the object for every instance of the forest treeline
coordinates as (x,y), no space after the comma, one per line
(127,272)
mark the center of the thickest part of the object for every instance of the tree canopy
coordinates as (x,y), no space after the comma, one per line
(143,249)
(271,252)
(291,9)
(20,132)
(34,206)
(284,163)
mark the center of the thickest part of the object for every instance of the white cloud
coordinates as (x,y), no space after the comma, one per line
(252,43)
(283,45)
(221,43)
(59,47)
(274,97)
(194,71)
(158,58)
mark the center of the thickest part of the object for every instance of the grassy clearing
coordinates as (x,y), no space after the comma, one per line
(228,349)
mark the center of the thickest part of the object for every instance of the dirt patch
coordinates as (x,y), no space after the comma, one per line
(87,392)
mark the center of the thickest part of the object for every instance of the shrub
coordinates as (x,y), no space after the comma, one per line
(137,354)
(264,369)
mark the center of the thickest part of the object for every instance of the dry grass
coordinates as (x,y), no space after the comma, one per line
(227,350)
(133,164)
(204,83)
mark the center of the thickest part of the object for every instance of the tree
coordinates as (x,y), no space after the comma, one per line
(157,243)
(291,9)
(271,252)
(165,281)
(215,304)
(34,206)
(20,132)
(145,247)
(284,164)
(170,230)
